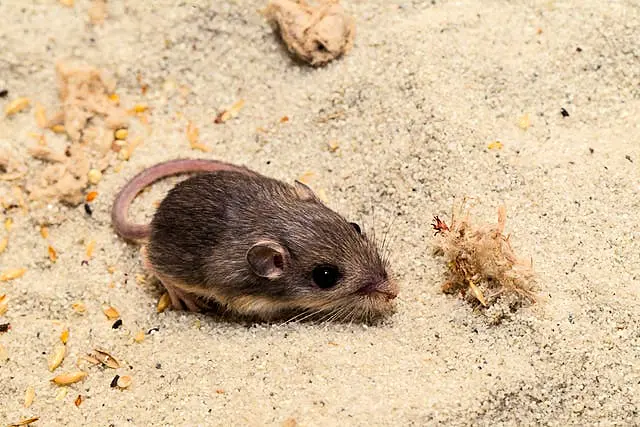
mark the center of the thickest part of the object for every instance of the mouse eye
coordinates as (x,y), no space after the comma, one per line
(325,276)
(356,227)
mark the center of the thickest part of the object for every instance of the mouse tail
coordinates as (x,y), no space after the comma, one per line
(120,209)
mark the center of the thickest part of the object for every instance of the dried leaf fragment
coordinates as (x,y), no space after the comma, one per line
(12,274)
(230,113)
(79,307)
(29,395)
(105,358)
(24,422)
(69,378)
(110,312)
(56,357)
(17,105)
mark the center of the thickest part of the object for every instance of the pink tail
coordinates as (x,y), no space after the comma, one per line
(148,176)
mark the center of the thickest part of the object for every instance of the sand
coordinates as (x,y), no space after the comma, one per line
(413,107)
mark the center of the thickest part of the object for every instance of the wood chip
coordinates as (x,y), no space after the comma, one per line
(29,395)
(91,196)
(24,422)
(110,312)
(53,256)
(64,335)
(12,274)
(90,247)
(16,106)
(56,357)
(69,378)
(4,304)
(164,302)
(105,358)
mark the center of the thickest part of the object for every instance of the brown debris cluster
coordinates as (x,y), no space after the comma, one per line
(316,34)
(89,118)
(482,266)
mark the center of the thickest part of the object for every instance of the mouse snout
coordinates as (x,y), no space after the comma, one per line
(384,287)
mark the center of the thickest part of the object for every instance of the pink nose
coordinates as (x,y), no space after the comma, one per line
(386,288)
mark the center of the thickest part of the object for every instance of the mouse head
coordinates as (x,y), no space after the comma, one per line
(324,265)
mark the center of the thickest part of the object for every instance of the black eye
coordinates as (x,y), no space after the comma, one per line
(357,227)
(325,276)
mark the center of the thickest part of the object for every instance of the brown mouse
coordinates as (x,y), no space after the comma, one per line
(255,246)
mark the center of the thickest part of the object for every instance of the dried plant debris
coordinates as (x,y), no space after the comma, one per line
(89,118)
(482,266)
(315,33)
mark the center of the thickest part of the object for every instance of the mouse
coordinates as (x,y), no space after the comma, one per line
(256,246)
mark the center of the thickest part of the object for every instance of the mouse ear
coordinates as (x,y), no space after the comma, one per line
(267,259)
(304,191)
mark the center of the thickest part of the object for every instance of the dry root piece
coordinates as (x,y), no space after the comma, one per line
(482,266)
(316,34)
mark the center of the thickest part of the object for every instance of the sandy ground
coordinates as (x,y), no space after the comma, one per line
(413,108)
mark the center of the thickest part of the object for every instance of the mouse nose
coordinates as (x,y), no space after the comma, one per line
(387,288)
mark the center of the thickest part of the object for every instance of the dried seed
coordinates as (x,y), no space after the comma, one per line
(62,393)
(4,327)
(12,274)
(117,324)
(87,209)
(284,119)
(164,302)
(79,307)
(495,145)
(58,128)
(8,224)
(524,122)
(56,357)
(124,381)
(140,108)
(477,293)
(121,134)
(220,391)
(68,3)
(64,335)
(69,378)
(105,358)
(91,196)
(3,244)
(78,400)
(29,395)
(44,231)
(90,247)
(139,337)
(115,98)
(53,256)
(16,106)
(110,312)
(24,422)
(41,116)
(94,176)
